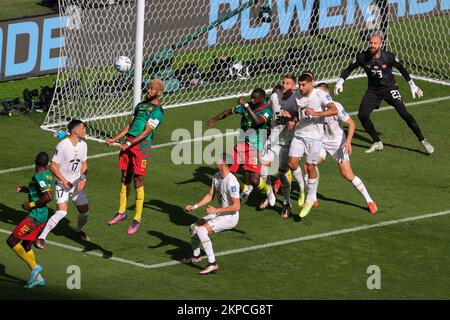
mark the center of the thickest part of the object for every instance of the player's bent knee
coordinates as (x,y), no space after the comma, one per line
(27,245)
(293,165)
(208,228)
(193,229)
(12,241)
(83,208)
(363,116)
(347,173)
(62,206)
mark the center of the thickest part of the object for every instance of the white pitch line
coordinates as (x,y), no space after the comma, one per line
(168,144)
(257,247)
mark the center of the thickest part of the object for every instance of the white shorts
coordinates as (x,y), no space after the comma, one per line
(335,148)
(278,155)
(223,222)
(300,146)
(62,194)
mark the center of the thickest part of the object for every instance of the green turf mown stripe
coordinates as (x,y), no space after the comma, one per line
(257,247)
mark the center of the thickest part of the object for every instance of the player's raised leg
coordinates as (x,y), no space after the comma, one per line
(347,173)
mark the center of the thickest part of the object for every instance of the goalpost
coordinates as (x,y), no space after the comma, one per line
(207,50)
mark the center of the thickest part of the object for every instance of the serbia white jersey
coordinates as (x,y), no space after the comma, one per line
(69,158)
(309,126)
(333,124)
(226,188)
(280,133)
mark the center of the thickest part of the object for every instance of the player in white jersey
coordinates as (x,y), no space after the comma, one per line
(226,186)
(313,105)
(69,165)
(276,155)
(339,146)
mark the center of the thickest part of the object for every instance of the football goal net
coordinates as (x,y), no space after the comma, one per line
(207,50)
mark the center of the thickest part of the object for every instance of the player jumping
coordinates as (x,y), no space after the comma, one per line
(140,132)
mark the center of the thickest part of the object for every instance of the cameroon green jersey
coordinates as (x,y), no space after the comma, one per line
(146,113)
(256,137)
(41,182)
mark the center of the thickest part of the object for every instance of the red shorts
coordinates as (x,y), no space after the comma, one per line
(247,155)
(134,158)
(28,229)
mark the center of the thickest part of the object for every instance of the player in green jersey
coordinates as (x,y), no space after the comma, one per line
(39,192)
(140,132)
(255,120)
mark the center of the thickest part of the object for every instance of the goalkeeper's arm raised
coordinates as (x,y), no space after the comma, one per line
(344,75)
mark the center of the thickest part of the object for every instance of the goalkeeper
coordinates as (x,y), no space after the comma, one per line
(378,63)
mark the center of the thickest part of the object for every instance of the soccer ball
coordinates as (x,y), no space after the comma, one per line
(123,64)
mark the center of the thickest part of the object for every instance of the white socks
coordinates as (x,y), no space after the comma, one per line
(195,241)
(202,234)
(297,173)
(52,223)
(82,220)
(312,190)
(357,182)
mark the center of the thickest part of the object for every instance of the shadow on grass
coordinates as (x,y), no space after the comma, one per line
(325,198)
(201,174)
(4,277)
(63,229)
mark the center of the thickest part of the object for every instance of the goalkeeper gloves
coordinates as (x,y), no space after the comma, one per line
(415,90)
(339,86)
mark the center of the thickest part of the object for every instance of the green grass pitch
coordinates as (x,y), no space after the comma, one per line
(413,256)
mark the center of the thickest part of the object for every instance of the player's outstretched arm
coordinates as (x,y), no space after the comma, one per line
(331,111)
(205,200)
(220,116)
(258,119)
(22,189)
(144,134)
(122,133)
(43,200)
(339,87)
